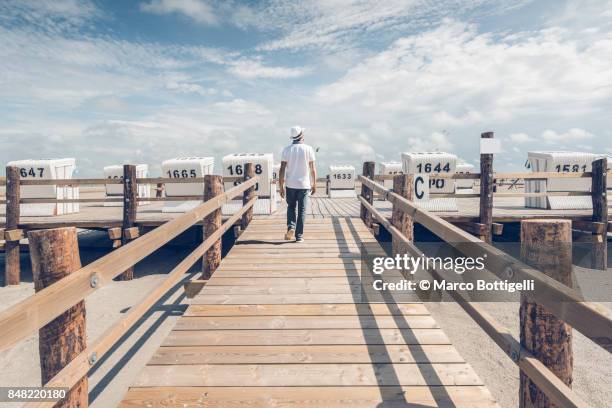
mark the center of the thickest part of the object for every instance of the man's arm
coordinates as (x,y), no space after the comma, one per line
(313,177)
(281,178)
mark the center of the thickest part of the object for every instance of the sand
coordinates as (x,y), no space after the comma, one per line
(110,380)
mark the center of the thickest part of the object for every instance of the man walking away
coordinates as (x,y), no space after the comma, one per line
(299,176)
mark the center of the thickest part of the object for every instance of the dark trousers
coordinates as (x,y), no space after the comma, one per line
(296,197)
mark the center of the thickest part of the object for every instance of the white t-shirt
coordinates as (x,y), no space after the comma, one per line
(297,172)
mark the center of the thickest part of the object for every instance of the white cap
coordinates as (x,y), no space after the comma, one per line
(297,133)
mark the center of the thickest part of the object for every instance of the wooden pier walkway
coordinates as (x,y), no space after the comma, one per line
(284,324)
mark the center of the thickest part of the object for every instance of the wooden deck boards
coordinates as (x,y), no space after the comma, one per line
(287,325)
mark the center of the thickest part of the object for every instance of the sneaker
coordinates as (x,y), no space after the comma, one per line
(290,234)
(299,239)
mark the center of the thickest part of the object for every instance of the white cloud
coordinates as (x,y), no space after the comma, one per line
(340,24)
(197,10)
(253,68)
(519,138)
(572,135)
(49,15)
(461,77)
(435,142)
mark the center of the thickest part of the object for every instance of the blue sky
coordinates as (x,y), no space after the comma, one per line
(123,81)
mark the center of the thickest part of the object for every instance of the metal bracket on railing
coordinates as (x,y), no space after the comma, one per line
(94,280)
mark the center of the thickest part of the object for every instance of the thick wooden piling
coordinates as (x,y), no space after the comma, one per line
(12,268)
(55,255)
(130,205)
(486,192)
(366,192)
(402,185)
(599,183)
(249,193)
(546,245)
(213,186)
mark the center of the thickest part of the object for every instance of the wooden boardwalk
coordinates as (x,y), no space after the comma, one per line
(285,324)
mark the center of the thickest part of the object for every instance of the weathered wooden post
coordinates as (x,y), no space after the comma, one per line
(486,192)
(213,186)
(546,245)
(130,204)
(12,269)
(55,255)
(402,185)
(249,193)
(599,184)
(366,192)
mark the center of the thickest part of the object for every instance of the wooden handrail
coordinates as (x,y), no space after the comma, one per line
(476,176)
(556,390)
(81,364)
(104,181)
(379,177)
(29,315)
(591,319)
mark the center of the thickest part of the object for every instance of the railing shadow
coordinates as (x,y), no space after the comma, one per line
(173,309)
(389,385)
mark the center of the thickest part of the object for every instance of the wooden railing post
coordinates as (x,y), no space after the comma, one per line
(546,245)
(366,192)
(486,192)
(213,186)
(249,173)
(599,184)
(12,268)
(130,204)
(402,185)
(55,255)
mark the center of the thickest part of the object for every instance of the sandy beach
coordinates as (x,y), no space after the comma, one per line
(110,380)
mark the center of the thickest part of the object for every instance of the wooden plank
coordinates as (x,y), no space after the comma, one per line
(273,282)
(282,273)
(297,256)
(305,262)
(298,298)
(13,235)
(325,354)
(310,397)
(342,266)
(283,289)
(114,233)
(305,337)
(304,322)
(322,375)
(349,309)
